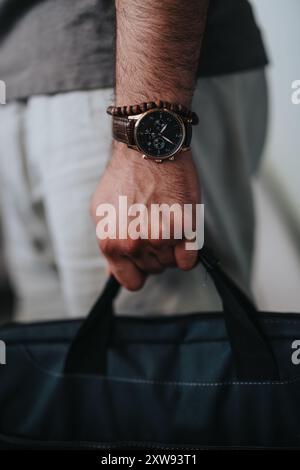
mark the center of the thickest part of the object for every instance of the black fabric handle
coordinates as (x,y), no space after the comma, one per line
(253,356)
(254,359)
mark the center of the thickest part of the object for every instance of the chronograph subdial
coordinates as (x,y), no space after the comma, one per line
(159,134)
(159,143)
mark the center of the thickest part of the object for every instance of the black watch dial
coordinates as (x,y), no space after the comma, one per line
(159,133)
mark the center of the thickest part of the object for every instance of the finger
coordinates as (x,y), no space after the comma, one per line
(127,273)
(157,243)
(107,269)
(148,262)
(185,259)
(165,255)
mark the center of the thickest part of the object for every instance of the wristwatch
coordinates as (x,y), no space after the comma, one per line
(158,130)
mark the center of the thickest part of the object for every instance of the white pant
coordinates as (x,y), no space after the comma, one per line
(53,150)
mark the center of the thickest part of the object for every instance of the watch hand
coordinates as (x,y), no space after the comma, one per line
(164,128)
(168,140)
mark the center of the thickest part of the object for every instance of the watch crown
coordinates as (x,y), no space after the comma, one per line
(158,160)
(172,158)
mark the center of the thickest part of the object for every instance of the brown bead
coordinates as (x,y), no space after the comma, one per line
(139,108)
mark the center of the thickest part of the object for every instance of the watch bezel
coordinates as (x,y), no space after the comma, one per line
(179,120)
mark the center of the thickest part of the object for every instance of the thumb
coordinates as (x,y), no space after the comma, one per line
(185,259)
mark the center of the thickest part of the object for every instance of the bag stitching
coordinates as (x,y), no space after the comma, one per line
(112,445)
(288,322)
(157,382)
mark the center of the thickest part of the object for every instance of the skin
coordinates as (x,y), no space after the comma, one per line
(157,53)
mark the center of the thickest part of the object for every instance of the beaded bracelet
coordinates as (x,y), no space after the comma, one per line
(131,110)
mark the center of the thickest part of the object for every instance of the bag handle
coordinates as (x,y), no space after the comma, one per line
(254,359)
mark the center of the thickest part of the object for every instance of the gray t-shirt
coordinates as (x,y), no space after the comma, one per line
(52,46)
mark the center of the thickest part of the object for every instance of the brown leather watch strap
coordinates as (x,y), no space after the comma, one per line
(188,134)
(122,129)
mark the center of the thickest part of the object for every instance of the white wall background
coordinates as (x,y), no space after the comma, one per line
(276,278)
(280,23)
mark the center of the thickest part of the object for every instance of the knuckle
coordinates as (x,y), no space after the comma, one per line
(132,247)
(156,242)
(159,242)
(108,247)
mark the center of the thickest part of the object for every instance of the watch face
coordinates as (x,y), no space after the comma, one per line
(159,133)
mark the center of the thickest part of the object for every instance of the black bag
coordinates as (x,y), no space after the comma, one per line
(190,381)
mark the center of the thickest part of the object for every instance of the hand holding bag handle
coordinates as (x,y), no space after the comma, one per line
(253,356)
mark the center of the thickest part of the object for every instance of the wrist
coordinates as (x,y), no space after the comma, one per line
(123,98)
(122,156)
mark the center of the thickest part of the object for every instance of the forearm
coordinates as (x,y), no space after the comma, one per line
(157,49)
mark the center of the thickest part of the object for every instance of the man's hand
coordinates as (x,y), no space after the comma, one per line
(157,54)
(145,182)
